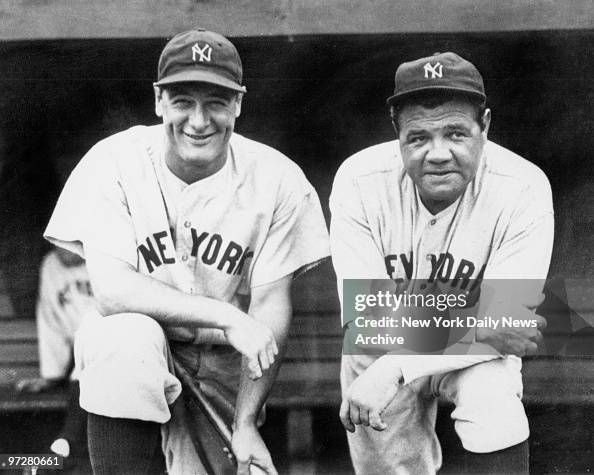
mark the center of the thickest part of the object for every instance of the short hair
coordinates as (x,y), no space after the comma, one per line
(173,87)
(433,99)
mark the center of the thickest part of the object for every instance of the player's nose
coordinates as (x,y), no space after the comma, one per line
(199,118)
(439,151)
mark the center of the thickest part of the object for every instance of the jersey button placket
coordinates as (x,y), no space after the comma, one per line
(426,249)
(184,241)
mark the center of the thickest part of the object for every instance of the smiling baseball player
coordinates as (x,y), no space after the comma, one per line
(441,203)
(192,236)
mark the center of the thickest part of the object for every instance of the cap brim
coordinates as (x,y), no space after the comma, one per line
(396,98)
(201,76)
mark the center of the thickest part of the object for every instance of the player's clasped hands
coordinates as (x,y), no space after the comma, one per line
(519,341)
(256,342)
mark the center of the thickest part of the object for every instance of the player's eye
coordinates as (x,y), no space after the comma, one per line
(219,102)
(180,101)
(416,139)
(458,134)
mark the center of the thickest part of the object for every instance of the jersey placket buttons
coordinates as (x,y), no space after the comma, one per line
(187,224)
(429,244)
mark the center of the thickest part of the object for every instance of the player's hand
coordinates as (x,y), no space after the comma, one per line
(255,341)
(519,341)
(252,455)
(36,385)
(368,396)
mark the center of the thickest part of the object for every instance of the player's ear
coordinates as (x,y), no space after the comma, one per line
(395,126)
(238,105)
(486,120)
(394,120)
(158,98)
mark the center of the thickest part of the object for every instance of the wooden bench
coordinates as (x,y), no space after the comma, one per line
(310,375)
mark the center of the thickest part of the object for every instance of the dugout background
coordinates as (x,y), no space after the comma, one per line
(317,98)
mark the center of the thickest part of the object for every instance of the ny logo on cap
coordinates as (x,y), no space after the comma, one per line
(203,53)
(436,70)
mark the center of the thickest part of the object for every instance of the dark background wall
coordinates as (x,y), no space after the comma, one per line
(317,98)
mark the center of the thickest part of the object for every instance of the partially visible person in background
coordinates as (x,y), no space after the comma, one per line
(65,299)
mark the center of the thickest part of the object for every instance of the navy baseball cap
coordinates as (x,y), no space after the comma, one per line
(445,72)
(200,56)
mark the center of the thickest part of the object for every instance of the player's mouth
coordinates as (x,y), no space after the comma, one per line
(198,138)
(440,173)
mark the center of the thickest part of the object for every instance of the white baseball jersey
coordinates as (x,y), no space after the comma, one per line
(65,298)
(500,228)
(254,221)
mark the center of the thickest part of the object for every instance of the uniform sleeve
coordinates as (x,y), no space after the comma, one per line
(418,366)
(92,210)
(525,249)
(55,344)
(355,253)
(297,238)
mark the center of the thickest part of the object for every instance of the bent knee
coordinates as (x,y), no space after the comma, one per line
(491,381)
(489,414)
(124,368)
(488,419)
(482,436)
(128,335)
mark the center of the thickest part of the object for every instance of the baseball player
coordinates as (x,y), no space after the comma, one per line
(65,298)
(441,203)
(192,235)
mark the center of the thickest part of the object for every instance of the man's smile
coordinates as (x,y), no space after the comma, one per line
(198,137)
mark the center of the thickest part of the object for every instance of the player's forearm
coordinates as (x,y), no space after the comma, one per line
(119,288)
(253,394)
(412,367)
(167,305)
(270,305)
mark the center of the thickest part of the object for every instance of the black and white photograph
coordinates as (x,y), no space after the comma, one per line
(296,237)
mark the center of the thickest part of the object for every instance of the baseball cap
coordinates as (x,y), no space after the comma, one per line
(200,56)
(440,72)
